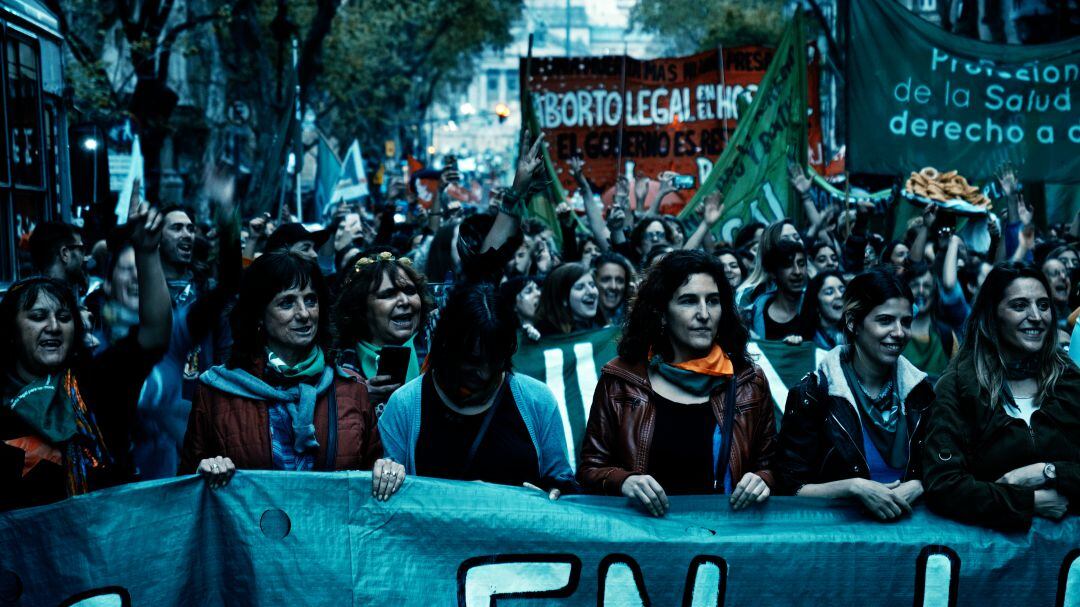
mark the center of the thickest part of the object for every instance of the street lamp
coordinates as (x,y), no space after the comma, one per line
(90,144)
(502,111)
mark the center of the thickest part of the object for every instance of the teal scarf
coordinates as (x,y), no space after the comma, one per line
(309,367)
(368,355)
(299,400)
(698,384)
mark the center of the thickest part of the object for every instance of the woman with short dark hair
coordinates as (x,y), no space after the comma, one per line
(469,416)
(66,417)
(1003,440)
(281,403)
(853,429)
(569,301)
(663,419)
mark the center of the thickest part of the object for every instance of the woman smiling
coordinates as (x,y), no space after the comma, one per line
(1003,442)
(280,404)
(853,429)
(65,419)
(569,301)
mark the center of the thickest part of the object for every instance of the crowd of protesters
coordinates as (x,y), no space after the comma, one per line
(385,341)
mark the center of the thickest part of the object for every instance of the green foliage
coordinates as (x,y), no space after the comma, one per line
(692,25)
(385,63)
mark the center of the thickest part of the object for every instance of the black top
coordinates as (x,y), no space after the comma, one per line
(506,454)
(110,384)
(779,330)
(681,456)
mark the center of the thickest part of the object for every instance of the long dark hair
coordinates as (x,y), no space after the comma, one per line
(810,315)
(350,314)
(982,337)
(868,290)
(475,314)
(21,296)
(555,296)
(267,276)
(644,329)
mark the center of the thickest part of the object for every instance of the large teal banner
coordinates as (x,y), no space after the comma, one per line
(919,96)
(286,539)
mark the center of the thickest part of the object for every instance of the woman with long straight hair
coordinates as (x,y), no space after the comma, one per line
(1003,440)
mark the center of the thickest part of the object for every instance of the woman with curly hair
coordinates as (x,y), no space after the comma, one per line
(383,302)
(663,419)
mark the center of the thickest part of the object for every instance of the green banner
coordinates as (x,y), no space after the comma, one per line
(570,366)
(303,538)
(919,96)
(751,173)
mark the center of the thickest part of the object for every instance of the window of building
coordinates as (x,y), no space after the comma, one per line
(23,110)
(512,83)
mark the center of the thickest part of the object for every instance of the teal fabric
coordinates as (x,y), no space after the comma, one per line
(299,400)
(274,538)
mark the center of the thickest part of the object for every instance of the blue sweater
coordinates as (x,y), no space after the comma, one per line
(399,425)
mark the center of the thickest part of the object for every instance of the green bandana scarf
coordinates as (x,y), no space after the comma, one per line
(311,366)
(698,384)
(45,407)
(368,355)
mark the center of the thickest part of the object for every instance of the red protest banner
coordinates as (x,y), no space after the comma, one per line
(645,117)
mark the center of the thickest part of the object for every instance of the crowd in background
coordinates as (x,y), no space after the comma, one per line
(384,341)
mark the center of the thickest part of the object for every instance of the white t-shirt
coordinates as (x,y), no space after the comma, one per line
(1023,409)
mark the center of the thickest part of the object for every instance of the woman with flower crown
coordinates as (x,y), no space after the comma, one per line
(383,302)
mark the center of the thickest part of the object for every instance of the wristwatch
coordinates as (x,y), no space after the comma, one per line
(1050,474)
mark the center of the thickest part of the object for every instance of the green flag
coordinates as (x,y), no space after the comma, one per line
(784,366)
(920,96)
(751,173)
(542,205)
(570,366)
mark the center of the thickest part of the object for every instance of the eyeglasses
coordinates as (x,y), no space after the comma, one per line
(655,236)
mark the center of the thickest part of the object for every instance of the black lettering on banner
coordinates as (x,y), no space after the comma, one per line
(936,551)
(614,560)
(1064,590)
(478,563)
(697,566)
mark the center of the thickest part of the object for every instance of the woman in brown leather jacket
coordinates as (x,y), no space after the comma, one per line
(662,420)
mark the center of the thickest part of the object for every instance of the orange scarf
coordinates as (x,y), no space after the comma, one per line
(716,364)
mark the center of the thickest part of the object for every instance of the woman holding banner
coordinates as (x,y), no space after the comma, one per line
(469,416)
(281,403)
(663,418)
(1003,439)
(854,428)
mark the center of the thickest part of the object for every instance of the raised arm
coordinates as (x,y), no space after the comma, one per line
(513,202)
(594,211)
(155,306)
(713,212)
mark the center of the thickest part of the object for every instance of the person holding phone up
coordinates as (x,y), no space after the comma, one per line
(383,303)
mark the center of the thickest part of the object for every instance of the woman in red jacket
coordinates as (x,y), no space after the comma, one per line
(682,409)
(280,404)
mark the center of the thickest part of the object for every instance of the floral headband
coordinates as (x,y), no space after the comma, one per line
(384,256)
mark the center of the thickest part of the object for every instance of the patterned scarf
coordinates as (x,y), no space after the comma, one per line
(54,408)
